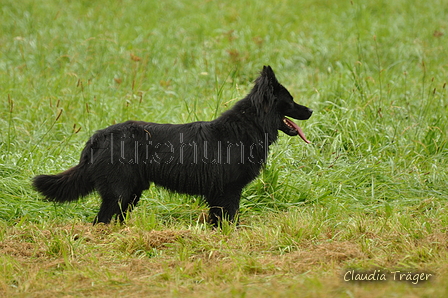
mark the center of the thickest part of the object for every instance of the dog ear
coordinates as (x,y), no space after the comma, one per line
(262,94)
(270,75)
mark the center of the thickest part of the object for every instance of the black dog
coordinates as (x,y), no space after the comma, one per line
(215,159)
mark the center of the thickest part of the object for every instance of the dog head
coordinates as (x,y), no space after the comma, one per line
(274,98)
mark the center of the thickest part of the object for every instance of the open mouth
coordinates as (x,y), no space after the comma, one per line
(296,128)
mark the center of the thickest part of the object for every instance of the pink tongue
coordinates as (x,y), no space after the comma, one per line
(298,129)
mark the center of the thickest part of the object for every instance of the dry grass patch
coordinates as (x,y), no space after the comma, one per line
(269,260)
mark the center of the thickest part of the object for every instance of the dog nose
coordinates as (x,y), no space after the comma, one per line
(310,111)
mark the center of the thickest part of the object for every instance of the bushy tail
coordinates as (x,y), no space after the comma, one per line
(65,187)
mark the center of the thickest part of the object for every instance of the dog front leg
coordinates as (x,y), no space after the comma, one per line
(224,207)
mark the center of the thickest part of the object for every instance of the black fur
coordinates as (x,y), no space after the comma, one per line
(215,159)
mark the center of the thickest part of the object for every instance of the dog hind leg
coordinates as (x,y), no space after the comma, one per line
(113,204)
(128,205)
(109,207)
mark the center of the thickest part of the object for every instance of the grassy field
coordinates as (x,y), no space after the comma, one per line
(369,193)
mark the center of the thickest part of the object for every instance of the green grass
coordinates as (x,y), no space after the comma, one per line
(369,193)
